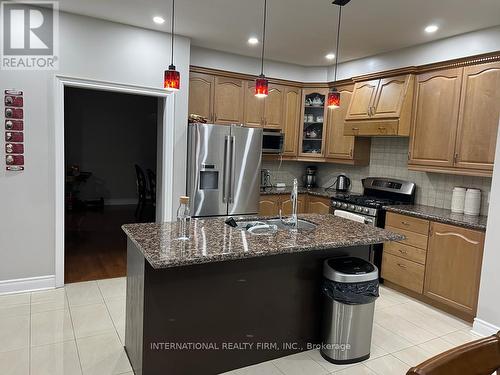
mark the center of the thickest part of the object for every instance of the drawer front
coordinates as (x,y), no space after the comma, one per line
(412,224)
(403,272)
(371,128)
(407,252)
(412,238)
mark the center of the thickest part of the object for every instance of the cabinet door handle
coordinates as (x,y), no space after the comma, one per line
(405,223)
(215,117)
(457,235)
(401,265)
(382,129)
(455,158)
(355,129)
(403,251)
(350,153)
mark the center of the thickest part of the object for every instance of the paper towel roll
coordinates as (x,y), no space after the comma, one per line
(458,200)
(472,204)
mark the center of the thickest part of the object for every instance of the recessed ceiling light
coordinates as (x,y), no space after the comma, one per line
(431,29)
(159,20)
(330,56)
(253,40)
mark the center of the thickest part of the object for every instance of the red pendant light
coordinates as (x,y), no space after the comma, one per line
(261,86)
(333,100)
(172,78)
(172,81)
(261,83)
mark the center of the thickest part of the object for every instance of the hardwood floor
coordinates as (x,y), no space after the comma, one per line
(95,245)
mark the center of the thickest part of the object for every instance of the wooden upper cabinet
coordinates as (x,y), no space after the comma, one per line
(292,106)
(453,266)
(273,107)
(254,107)
(362,98)
(312,134)
(437,100)
(479,117)
(201,94)
(229,100)
(390,95)
(339,146)
(381,107)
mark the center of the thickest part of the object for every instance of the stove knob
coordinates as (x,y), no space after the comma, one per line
(344,205)
(9,125)
(351,207)
(8,100)
(9,113)
(359,209)
(366,210)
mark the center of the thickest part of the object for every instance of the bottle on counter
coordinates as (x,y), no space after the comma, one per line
(183,218)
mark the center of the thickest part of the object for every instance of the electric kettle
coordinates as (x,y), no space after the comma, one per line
(343,183)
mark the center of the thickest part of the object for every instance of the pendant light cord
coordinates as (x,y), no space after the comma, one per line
(263,39)
(338,41)
(172,34)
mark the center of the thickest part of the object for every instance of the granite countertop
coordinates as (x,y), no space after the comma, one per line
(211,240)
(441,215)
(321,192)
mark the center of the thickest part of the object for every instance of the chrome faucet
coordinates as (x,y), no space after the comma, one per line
(292,222)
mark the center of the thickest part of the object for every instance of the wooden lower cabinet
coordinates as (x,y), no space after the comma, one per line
(403,272)
(438,263)
(286,204)
(270,204)
(453,269)
(318,205)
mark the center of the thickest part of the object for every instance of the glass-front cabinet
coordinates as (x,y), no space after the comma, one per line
(313,128)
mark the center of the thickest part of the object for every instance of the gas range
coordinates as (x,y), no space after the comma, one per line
(377,193)
(358,203)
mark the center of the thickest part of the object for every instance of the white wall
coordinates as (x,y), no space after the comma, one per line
(89,48)
(474,43)
(487,321)
(208,58)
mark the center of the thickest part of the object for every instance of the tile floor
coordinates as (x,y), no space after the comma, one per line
(80,329)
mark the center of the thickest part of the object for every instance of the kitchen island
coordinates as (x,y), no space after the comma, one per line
(225,298)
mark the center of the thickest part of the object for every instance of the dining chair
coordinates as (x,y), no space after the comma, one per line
(141,190)
(480,357)
(152,185)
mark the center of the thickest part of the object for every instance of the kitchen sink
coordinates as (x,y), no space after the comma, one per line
(271,225)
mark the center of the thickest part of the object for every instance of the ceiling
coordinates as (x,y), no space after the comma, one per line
(301,31)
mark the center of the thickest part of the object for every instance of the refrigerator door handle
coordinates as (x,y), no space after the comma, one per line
(233,162)
(225,174)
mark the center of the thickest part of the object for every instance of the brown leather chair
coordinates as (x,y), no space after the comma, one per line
(480,357)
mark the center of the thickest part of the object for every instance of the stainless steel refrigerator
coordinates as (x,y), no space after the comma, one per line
(223,169)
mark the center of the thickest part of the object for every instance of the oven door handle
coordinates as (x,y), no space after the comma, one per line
(351,216)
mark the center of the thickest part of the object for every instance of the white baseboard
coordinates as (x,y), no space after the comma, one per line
(484,328)
(28,284)
(120,202)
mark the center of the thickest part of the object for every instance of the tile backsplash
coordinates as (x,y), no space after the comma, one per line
(389,158)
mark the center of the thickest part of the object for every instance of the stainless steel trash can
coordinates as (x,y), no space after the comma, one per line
(350,288)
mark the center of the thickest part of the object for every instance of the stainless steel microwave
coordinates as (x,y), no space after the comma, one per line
(272,142)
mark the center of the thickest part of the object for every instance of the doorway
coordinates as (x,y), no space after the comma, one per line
(110,167)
